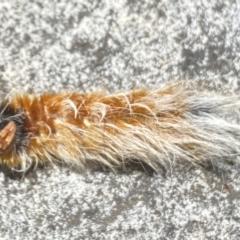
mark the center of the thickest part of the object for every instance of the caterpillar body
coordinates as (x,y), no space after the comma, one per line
(157,127)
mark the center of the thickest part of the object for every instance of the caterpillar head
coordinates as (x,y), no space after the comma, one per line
(11,129)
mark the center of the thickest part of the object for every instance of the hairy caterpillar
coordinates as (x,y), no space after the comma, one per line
(157,127)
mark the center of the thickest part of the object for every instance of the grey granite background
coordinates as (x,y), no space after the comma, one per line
(86,45)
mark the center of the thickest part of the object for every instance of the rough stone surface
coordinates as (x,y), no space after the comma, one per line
(86,45)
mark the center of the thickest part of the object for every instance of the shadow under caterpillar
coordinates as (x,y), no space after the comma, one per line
(157,127)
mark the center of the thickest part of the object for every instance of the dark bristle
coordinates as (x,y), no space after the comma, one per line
(7,114)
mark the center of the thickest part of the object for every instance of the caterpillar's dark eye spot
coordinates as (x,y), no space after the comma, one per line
(7,134)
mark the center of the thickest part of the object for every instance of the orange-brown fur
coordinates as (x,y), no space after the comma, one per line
(79,127)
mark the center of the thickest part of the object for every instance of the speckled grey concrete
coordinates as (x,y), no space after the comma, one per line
(85,45)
